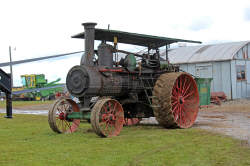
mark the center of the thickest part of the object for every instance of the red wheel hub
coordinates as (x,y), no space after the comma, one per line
(181,100)
(108,118)
(62,116)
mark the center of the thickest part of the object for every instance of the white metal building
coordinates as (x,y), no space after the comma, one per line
(228,64)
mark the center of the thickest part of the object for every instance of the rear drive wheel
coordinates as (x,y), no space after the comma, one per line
(177,99)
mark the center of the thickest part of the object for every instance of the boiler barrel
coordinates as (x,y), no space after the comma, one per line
(86,80)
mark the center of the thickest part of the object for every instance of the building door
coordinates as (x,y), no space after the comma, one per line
(241,79)
(248,77)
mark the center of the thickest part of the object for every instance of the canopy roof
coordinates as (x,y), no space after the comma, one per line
(133,38)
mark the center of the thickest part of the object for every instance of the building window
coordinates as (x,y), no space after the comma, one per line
(241,72)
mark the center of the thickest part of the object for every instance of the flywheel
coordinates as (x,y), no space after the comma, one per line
(177,100)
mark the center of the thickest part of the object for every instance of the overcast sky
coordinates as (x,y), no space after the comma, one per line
(44,27)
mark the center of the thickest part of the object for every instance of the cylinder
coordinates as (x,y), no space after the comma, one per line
(105,55)
(89,34)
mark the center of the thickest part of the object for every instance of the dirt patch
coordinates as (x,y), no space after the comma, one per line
(34,107)
(233,123)
(211,116)
(210,124)
(242,105)
(245,143)
(37,109)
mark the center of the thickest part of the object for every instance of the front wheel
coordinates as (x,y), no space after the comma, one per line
(57,116)
(107,117)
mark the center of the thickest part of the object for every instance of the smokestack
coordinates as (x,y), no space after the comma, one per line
(89,34)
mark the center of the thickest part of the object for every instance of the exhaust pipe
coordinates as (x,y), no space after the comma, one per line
(89,34)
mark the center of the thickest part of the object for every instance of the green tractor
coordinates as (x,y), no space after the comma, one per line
(36,87)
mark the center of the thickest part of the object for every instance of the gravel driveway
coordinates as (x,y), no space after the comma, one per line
(235,124)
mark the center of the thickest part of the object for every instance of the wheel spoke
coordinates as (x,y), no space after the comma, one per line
(177,112)
(186,90)
(59,110)
(176,115)
(113,110)
(180,81)
(67,107)
(174,97)
(105,108)
(184,115)
(111,129)
(102,125)
(175,102)
(177,87)
(175,91)
(189,94)
(184,84)
(62,125)
(68,125)
(173,110)
(64,107)
(109,104)
(59,124)
(106,126)
(65,126)
(179,116)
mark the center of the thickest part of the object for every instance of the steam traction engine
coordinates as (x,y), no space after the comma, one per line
(111,88)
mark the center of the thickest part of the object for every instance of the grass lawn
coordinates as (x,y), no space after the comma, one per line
(25,103)
(26,140)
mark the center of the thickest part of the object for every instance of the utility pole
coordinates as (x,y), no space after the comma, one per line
(9,93)
(11,72)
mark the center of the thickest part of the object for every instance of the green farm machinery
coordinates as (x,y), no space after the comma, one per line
(36,87)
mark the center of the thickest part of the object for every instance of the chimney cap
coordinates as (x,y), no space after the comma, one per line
(89,24)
